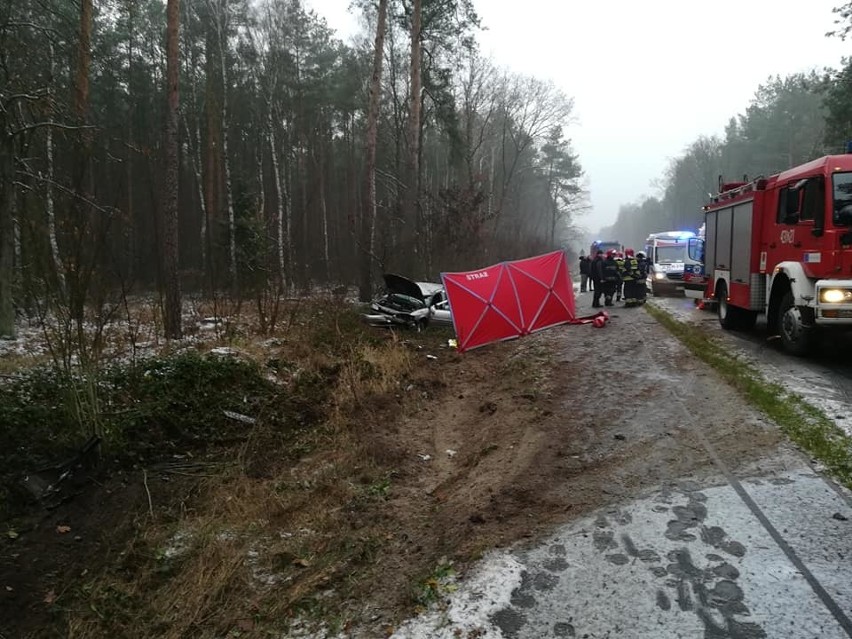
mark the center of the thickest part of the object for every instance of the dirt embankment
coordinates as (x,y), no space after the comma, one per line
(419,466)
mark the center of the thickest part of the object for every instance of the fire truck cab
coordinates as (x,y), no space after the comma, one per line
(782,246)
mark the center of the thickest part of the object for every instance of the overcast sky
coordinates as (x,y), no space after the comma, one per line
(647,77)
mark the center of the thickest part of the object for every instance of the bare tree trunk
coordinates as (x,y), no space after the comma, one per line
(79,271)
(211,192)
(210,228)
(368,217)
(51,215)
(261,193)
(221,17)
(413,159)
(193,136)
(130,144)
(19,256)
(81,84)
(288,212)
(301,167)
(169,226)
(491,184)
(7,244)
(48,192)
(279,198)
(324,212)
(194,147)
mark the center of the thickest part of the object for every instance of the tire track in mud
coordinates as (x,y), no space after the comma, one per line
(692,515)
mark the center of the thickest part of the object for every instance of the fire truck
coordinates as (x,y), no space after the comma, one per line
(782,246)
(604,245)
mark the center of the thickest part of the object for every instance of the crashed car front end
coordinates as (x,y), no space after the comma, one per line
(396,309)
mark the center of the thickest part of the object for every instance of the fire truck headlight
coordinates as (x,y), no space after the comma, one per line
(835,295)
(660,276)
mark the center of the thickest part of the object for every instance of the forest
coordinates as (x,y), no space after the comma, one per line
(240,148)
(198,435)
(789,121)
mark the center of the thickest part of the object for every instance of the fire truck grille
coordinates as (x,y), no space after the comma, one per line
(674,276)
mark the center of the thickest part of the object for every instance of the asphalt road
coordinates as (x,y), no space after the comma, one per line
(740,550)
(824,378)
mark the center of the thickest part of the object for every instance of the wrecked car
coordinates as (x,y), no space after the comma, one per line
(410,304)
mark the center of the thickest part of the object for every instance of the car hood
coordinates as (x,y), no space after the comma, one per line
(403,286)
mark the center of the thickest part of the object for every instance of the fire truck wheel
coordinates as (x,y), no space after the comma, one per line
(732,318)
(796,336)
(728,315)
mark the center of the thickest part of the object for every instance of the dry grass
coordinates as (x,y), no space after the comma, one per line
(264,539)
(14,362)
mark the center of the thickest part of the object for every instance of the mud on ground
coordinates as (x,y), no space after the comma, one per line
(466,453)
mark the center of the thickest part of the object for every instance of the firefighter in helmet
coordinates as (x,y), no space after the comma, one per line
(630,277)
(641,276)
(619,260)
(611,277)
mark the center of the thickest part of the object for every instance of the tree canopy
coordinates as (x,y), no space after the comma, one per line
(271,124)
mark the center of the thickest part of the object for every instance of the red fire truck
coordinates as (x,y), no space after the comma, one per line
(603,245)
(782,246)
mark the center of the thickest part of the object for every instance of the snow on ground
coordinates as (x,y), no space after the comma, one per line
(686,561)
(486,591)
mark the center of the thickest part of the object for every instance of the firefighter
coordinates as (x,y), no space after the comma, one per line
(596,276)
(630,277)
(641,276)
(611,277)
(619,260)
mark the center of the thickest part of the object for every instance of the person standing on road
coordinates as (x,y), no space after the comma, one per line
(611,277)
(585,271)
(630,276)
(619,260)
(641,276)
(596,274)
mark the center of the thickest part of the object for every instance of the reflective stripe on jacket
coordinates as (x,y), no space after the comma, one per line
(631,269)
